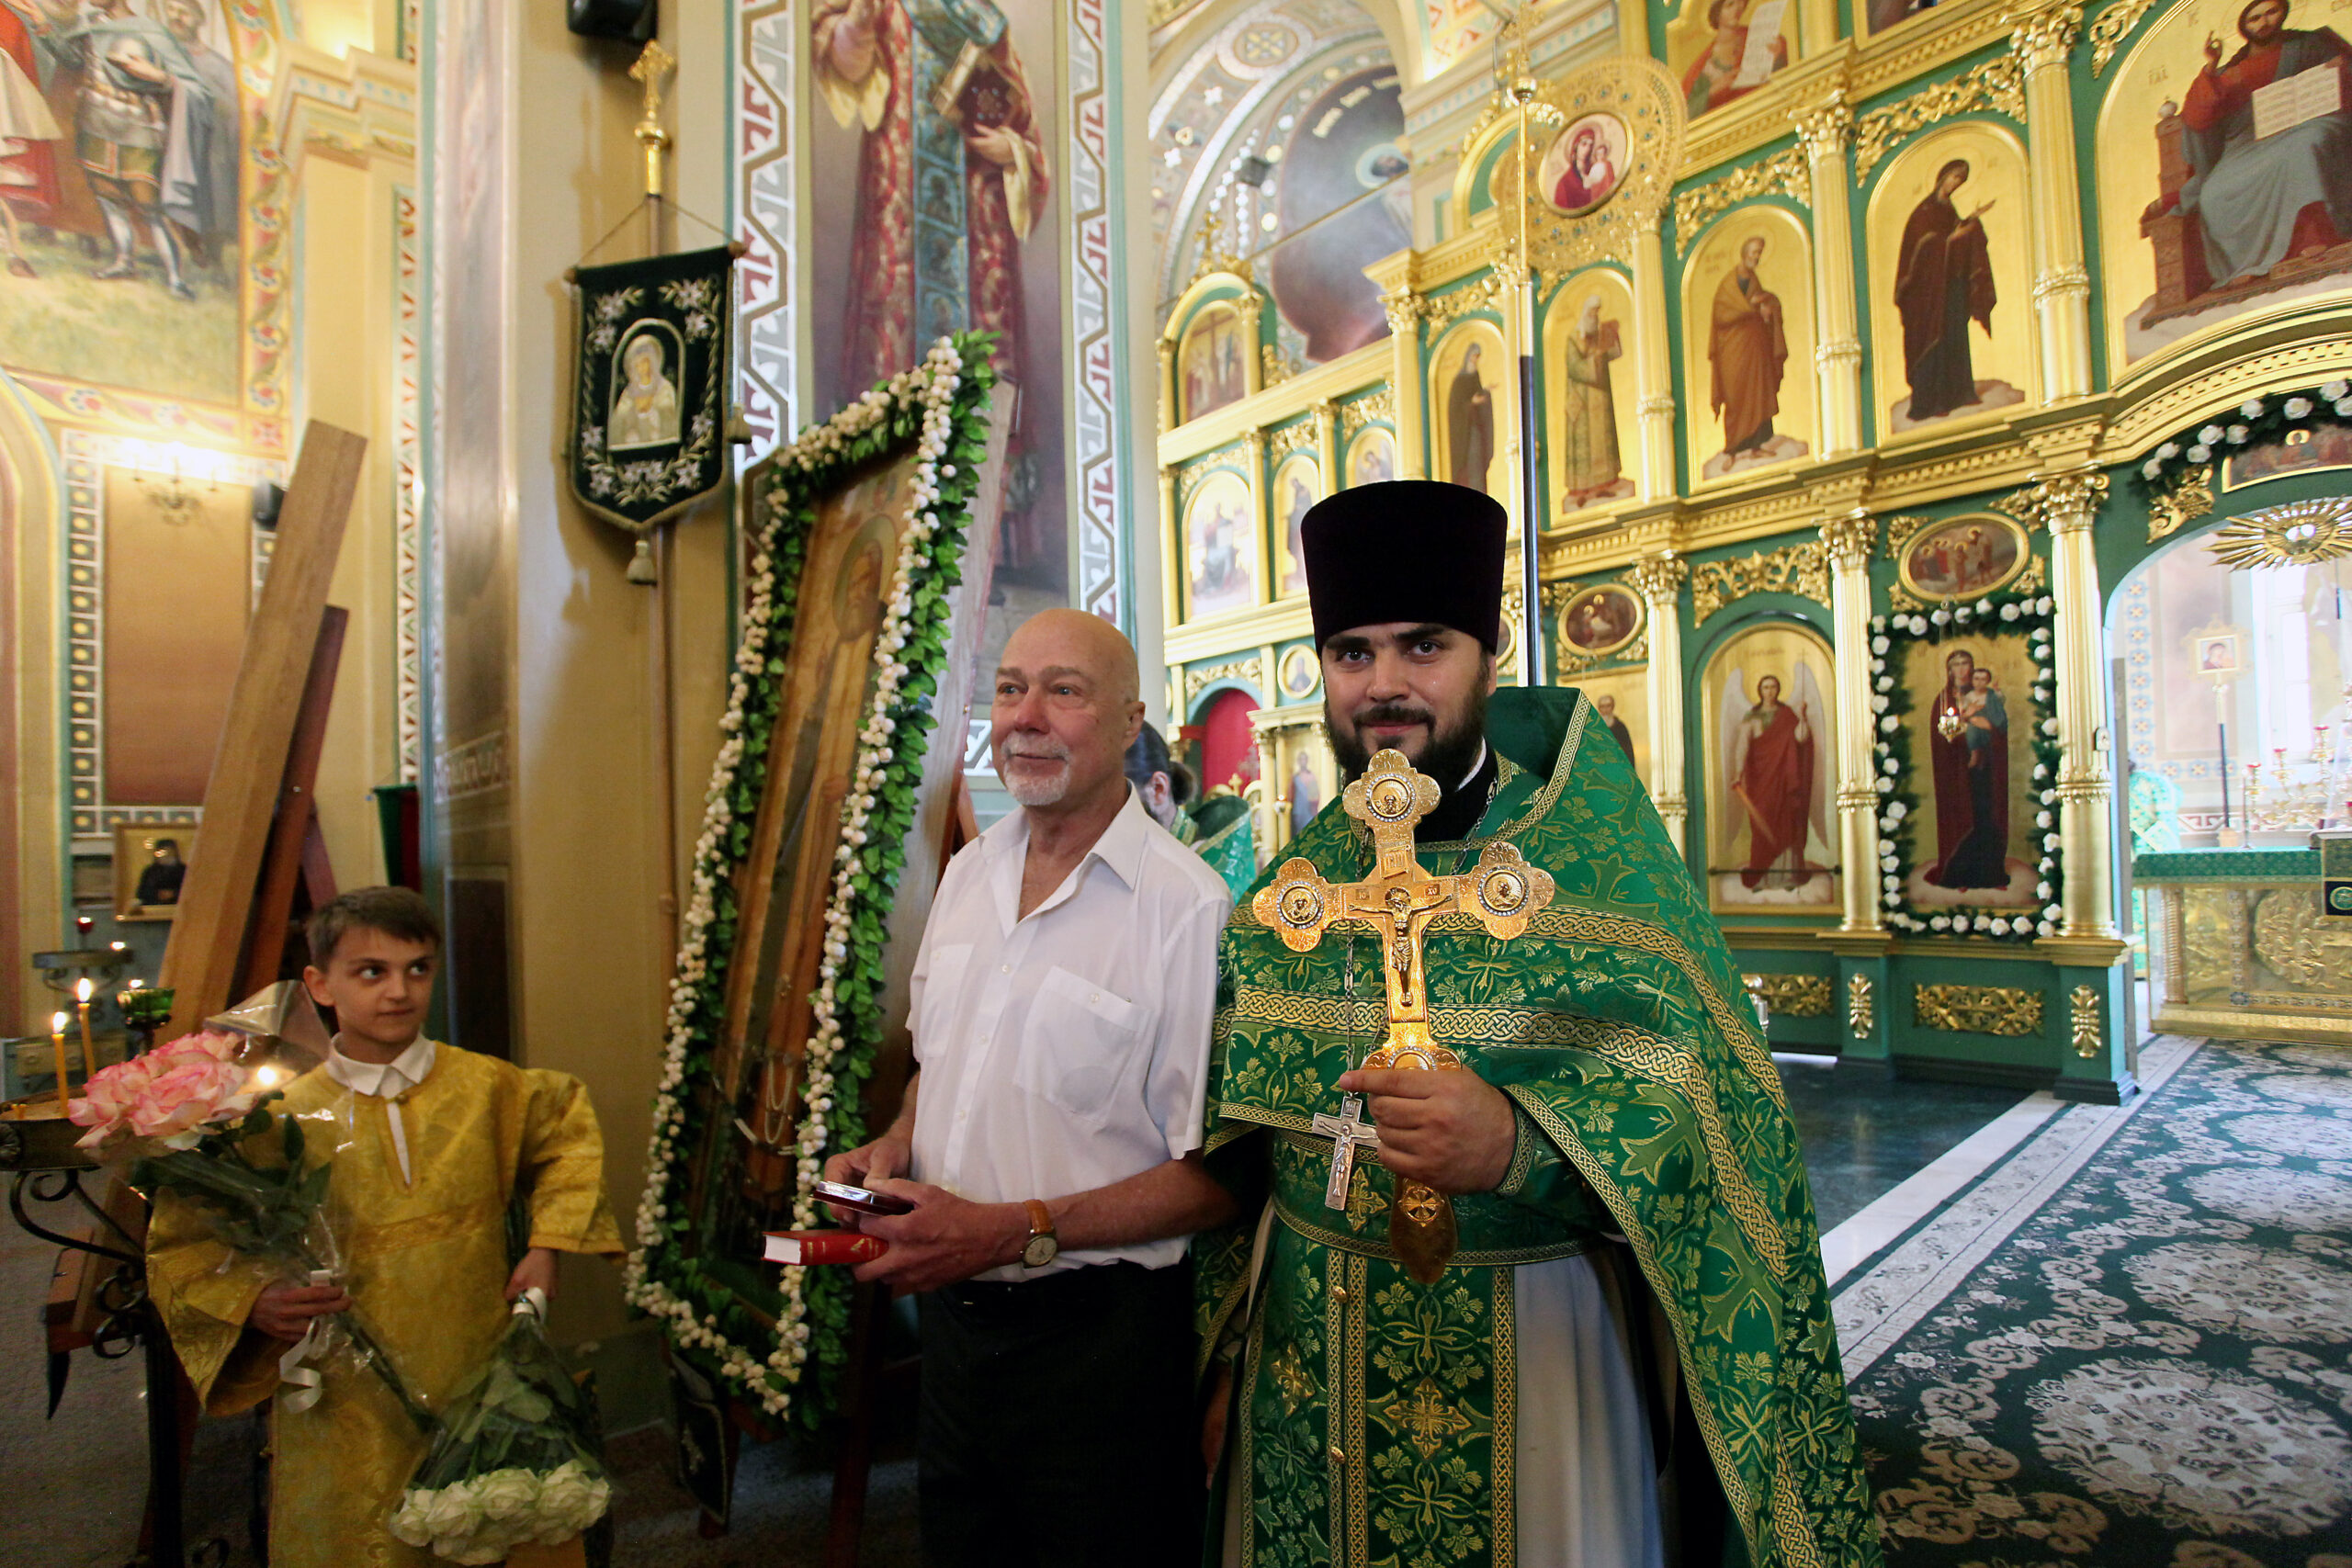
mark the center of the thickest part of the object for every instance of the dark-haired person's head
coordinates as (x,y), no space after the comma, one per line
(1155,777)
(374,955)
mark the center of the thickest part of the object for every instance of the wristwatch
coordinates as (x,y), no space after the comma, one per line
(1042,1248)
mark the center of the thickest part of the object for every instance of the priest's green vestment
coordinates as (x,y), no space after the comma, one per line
(1375,1417)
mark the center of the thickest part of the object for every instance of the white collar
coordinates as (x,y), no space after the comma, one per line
(384,1079)
(1475,766)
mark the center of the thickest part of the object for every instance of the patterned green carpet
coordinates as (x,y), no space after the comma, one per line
(2130,1342)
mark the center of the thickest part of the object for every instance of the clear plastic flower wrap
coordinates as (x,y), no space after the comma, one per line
(517,1457)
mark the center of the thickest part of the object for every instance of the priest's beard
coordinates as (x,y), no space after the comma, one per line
(1449,755)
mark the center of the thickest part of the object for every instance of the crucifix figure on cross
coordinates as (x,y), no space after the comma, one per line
(1502,891)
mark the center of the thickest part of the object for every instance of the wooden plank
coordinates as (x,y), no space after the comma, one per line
(283,861)
(208,937)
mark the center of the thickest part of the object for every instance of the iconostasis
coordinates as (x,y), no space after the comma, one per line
(1885,355)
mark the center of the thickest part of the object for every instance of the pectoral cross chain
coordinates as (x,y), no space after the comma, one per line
(1502,891)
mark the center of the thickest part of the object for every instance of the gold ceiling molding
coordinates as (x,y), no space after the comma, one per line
(2083,1025)
(2191,497)
(1785,173)
(1861,1005)
(1997,84)
(2111,27)
(1200,679)
(1641,95)
(1791,996)
(1357,413)
(1978,1009)
(2300,533)
(1802,569)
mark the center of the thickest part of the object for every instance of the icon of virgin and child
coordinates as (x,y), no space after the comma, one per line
(1968,748)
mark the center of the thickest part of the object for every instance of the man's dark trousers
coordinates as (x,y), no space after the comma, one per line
(1058,1427)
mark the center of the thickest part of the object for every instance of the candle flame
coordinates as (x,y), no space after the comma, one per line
(267,1078)
(57,1023)
(139,985)
(82,989)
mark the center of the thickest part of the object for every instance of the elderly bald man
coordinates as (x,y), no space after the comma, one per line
(1050,1140)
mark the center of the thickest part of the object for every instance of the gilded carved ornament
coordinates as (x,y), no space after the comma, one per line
(1850,539)
(1641,93)
(1489,293)
(1785,173)
(1357,413)
(1404,308)
(1215,257)
(1305,435)
(1273,365)
(2300,533)
(1192,476)
(1861,1005)
(2111,27)
(1978,1009)
(1200,680)
(2083,1003)
(1997,84)
(2061,503)
(1659,579)
(1802,569)
(1567,659)
(1826,131)
(2044,40)
(2190,497)
(1791,996)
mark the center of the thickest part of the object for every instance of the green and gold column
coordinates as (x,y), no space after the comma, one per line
(1652,364)
(2061,284)
(1659,579)
(1826,132)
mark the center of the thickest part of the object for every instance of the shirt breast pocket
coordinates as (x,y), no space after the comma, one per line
(1083,1048)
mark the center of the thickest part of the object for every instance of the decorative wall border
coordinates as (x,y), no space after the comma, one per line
(763,219)
(1097,305)
(1800,568)
(86,455)
(407,483)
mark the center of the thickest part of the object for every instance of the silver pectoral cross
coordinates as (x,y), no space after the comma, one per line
(1346,1131)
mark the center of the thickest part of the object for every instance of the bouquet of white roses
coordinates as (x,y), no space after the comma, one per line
(516,1458)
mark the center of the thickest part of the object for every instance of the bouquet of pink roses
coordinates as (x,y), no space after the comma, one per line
(198,1123)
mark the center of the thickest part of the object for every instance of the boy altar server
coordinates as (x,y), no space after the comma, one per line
(441,1141)
(1616,1142)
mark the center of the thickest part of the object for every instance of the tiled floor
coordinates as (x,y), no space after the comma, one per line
(1863,1133)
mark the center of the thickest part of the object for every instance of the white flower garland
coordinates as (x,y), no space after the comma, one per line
(1892,870)
(935,383)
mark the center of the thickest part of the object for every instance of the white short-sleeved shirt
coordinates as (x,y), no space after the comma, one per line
(1066,1051)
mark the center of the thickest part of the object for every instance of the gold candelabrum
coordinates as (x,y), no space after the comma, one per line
(2285,796)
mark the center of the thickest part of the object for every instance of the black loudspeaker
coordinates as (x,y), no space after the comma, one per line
(267,499)
(630,20)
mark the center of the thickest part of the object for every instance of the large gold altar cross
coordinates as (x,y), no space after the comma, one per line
(1398,901)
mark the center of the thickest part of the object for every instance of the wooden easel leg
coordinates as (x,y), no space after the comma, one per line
(859,1397)
(294,853)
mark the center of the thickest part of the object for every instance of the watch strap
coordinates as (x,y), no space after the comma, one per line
(1040,1219)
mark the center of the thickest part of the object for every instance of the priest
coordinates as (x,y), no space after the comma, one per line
(1629,1360)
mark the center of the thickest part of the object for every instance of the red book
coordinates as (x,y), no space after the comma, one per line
(824,1247)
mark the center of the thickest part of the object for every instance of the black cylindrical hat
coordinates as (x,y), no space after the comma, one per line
(1406,550)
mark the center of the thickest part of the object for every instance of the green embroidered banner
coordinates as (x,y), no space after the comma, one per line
(649,427)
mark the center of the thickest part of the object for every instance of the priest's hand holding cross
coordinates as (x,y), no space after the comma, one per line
(1439,1136)
(1451,1131)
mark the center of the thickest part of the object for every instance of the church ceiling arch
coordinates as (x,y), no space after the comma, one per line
(2206,226)
(1231,110)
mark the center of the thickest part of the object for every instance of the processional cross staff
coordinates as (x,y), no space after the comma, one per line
(1502,891)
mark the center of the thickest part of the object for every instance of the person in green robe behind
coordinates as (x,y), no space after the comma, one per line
(1217,829)
(1629,1362)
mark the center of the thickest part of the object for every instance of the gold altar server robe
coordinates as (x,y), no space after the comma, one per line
(425,1261)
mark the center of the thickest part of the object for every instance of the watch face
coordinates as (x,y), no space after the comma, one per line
(1041,1250)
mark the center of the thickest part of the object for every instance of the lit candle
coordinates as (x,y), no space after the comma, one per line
(82,989)
(57,1040)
